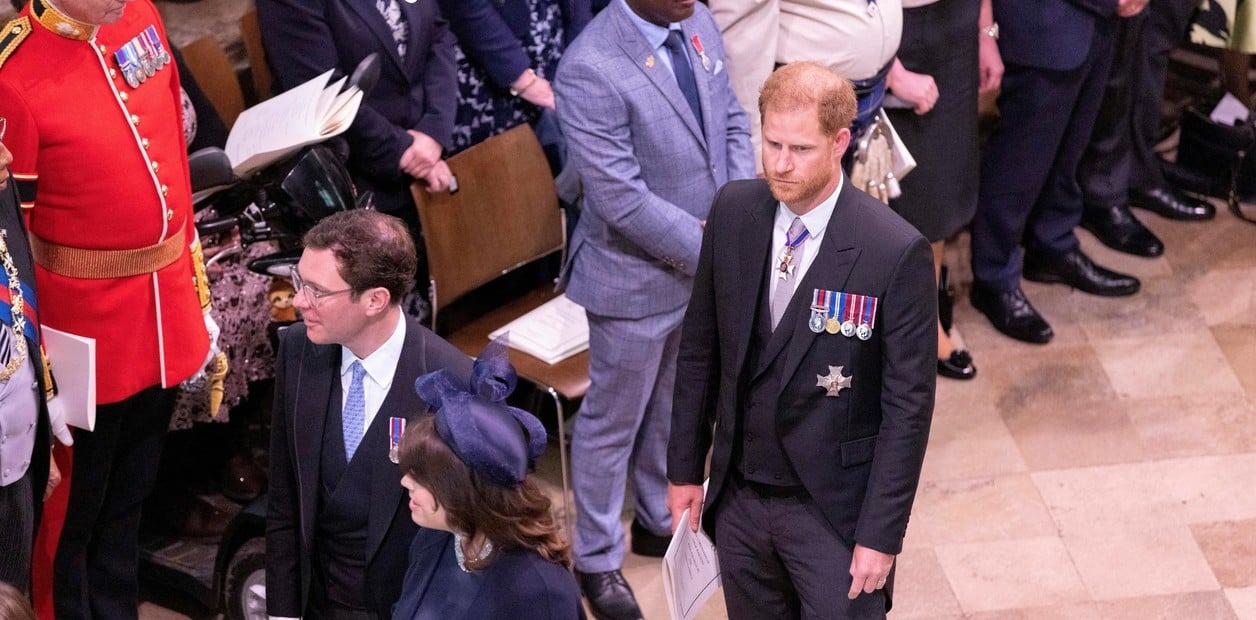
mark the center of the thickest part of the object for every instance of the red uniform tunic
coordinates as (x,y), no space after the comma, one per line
(102,165)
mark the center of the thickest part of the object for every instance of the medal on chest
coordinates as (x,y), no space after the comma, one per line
(141,57)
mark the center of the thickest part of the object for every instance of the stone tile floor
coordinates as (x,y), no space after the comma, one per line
(1107,475)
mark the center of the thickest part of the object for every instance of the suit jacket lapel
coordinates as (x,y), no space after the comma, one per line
(427,551)
(401,401)
(830,270)
(375,22)
(416,50)
(645,59)
(756,233)
(319,369)
(703,78)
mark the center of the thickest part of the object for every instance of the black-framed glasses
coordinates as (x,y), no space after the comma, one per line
(312,296)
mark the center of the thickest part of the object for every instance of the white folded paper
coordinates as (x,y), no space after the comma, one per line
(73,360)
(553,332)
(691,571)
(309,113)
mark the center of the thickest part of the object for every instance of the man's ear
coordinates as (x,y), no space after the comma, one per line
(377,300)
(841,141)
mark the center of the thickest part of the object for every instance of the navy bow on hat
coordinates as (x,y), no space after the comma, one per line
(498,441)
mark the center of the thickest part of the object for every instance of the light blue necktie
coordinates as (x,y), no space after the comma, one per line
(353,418)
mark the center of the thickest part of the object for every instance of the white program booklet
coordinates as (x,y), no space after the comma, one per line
(73,360)
(309,113)
(691,572)
(553,332)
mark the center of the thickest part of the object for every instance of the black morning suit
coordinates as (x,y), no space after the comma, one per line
(307,396)
(857,456)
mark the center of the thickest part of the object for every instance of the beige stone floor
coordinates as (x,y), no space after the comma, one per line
(1108,475)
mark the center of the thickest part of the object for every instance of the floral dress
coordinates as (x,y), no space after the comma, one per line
(485,109)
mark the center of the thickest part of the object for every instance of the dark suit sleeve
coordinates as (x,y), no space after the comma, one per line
(300,45)
(283,551)
(440,86)
(908,378)
(487,39)
(698,365)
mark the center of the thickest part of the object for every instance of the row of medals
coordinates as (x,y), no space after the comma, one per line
(831,325)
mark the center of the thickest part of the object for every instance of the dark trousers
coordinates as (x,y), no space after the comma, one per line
(780,558)
(1121,155)
(115,467)
(17,534)
(1029,192)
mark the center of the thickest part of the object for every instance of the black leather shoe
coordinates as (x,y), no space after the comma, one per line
(609,596)
(1078,271)
(1010,313)
(1167,203)
(958,366)
(1118,229)
(647,543)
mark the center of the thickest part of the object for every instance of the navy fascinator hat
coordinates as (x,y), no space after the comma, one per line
(499,442)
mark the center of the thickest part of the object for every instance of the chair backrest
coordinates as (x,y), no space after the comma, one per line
(504,215)
(216,76)
(251,33)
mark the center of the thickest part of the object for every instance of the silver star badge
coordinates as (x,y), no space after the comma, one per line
(834,381)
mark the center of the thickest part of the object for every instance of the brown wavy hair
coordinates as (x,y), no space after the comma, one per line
(518,518)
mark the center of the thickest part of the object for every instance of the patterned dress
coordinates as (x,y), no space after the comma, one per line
(1226,24)
(485,109)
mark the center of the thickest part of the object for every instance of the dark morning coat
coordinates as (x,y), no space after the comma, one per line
(305,374)
(858,454)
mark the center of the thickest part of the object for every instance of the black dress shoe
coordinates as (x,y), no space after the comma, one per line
(1167,203)
(647,543)
(958,366)
(1078,271)
(609,596)
(1011,313)
(1118,229)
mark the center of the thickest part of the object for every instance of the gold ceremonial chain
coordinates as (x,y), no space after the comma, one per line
(19,319)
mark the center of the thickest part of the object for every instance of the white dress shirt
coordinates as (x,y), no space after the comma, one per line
(380,367)
(816,221)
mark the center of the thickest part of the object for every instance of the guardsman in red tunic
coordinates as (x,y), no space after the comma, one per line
(92,100)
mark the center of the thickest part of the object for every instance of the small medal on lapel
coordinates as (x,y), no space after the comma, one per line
(649,61)
(697,47)
(396,428)
(834,382)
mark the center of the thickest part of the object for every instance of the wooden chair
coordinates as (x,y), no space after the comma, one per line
(504,215)
(216,76)
(251,33)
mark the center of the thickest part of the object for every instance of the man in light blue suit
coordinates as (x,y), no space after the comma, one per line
(653,129)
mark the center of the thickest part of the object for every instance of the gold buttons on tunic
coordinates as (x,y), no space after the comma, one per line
(144,143)
(154,166)
(135,120)
(169,212)
(166,190)
(113,73)
(123,97)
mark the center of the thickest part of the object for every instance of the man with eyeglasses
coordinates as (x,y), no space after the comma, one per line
(338,525)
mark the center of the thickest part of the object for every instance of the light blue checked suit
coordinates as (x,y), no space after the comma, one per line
(649,176)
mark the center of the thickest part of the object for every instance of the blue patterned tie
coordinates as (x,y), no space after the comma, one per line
(684,73)
(353,417)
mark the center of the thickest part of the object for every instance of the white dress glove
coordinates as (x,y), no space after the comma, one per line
(56,415)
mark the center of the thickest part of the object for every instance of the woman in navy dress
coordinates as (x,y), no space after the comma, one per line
(489,547)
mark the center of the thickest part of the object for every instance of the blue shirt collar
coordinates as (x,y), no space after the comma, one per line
(654,34)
